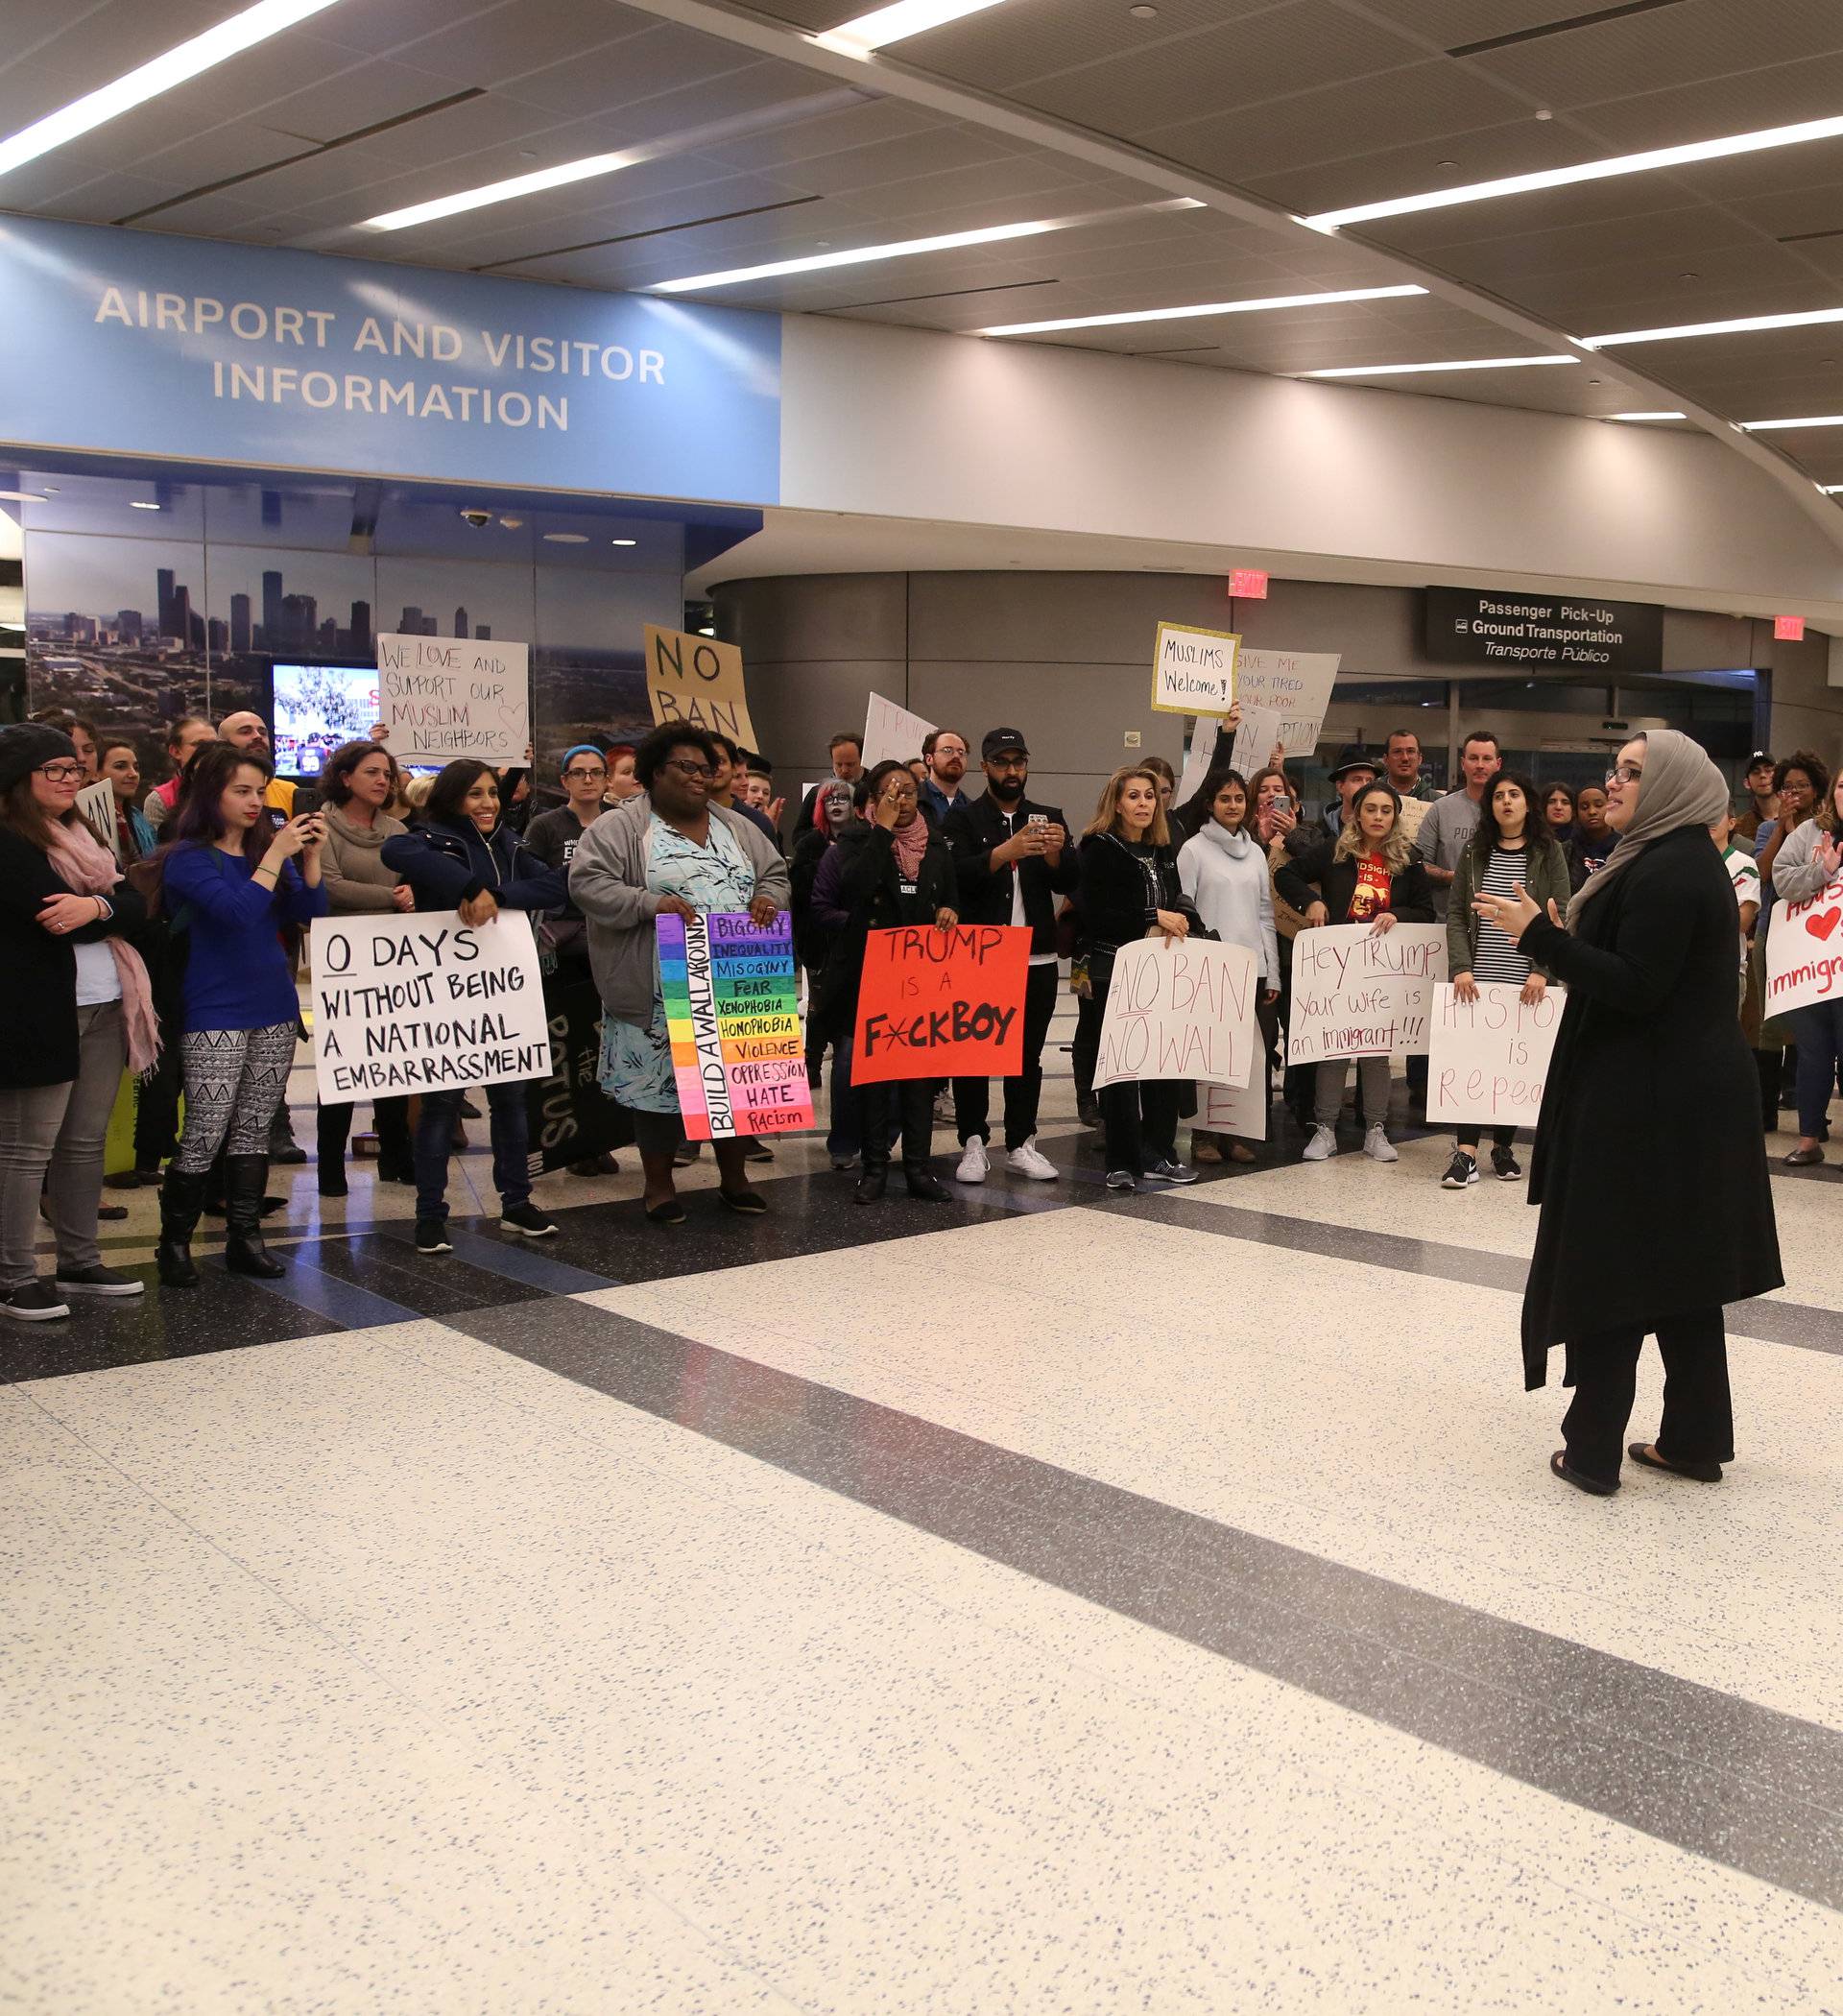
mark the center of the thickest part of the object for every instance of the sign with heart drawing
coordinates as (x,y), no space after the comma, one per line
(443,698)
(1804,951)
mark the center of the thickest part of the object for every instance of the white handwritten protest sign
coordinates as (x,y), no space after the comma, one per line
(1290,688)
(1804,951)
(1356,994)
(1193,671)
(425,1002)
(1199,757)
(1240,1110)
(892,734)
(1490,1057)
(97,804)
(1260,729)
(1180,1011)
(445,698)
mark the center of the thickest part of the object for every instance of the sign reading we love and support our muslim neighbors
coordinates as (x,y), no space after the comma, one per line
(443,698)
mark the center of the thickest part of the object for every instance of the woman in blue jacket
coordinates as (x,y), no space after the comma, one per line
(463,857)
(231,882)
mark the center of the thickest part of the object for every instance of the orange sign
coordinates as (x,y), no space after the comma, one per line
(942,1004)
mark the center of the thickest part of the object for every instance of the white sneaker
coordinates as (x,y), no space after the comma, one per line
(1375,1145)
(1323,1144)
(973,1163)
(1030,1161)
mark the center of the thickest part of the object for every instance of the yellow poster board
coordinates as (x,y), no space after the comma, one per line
(1193,671)
(697,681)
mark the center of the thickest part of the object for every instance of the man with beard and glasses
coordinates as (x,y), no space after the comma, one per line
(1012,860)
(944,752)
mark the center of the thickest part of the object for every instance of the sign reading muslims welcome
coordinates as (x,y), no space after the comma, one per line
(1500,627)
(139,343)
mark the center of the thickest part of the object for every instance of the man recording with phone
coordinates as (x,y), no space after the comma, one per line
(1013,859)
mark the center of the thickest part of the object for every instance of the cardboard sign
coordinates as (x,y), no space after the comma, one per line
(1193,671)
(443,698)
(1804,951)
(892,734)
(1260,729)
(1294,685)
(97,804)
(1356,994)
(731,1010)
(1198,758)
(942,1004)
(1240,1110)
(568,1117)
(426,1003)
(698,681)
(1180,1011)
(1490,1057)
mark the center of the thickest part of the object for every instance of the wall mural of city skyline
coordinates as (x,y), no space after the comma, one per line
(133,632)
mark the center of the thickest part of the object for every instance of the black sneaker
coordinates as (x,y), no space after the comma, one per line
(1462,1172)
(97,1280)
(1505,1166)
(432,1236)
(36,1302)
(528,1219)
(1168,1172)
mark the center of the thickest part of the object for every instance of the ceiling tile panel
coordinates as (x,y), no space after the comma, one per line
(1519,145)
(1447,24)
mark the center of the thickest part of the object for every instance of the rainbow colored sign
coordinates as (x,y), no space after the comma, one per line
(730,1010)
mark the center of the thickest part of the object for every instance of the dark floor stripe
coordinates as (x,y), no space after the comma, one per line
(1744,1785)
(514,1261)
(343,1302)
(1799,1323)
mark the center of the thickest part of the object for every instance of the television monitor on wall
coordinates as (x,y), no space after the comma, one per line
(317,705)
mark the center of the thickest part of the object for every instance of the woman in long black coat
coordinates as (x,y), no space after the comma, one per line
(1650,1164)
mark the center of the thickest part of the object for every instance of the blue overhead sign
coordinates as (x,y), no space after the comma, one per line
(132,342)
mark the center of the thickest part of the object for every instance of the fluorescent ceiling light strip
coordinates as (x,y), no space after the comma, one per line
(1819,419)
(1252,307)
(904,248)
(556,178)
(1583,172)
(1393,370)
(1647,416)
(1740,327)
(1831,489)
(163,73)
(895,23)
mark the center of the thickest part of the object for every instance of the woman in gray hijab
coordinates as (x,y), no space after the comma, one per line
(1650,1164)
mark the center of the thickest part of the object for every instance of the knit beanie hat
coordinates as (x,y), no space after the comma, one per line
(26,746)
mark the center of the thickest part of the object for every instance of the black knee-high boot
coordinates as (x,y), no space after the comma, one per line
(244,1250)
(182,1199)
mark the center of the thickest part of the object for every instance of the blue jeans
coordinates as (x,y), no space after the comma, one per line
(1820,1044)
(434,1136)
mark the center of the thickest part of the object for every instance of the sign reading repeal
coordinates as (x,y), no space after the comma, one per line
(1193,671)
(942,1004)
(698,681)
(1804,951)
(728,984)
(1357,995)
(425,1003)
(1180,1011)
(1490,1057)
(445,698)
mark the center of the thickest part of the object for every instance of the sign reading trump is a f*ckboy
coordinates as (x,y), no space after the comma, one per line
(423,1004)
(728,985)
(942,1003)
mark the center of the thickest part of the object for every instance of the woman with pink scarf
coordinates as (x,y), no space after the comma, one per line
(75,1004)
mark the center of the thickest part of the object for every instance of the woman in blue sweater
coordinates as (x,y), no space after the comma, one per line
(461,857)
(229,884)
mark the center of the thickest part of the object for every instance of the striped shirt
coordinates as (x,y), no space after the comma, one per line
(1495,956)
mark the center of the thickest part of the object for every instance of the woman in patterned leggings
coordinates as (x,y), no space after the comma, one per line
(229,884)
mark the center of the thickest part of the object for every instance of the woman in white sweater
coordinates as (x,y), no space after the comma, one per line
(1224,872)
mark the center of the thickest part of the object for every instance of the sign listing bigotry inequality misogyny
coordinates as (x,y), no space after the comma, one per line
(1357,994)
(1804,951)
(1489,1058)
(443,698)
(426,1003)
(1193,671)
(1180,1011)
(728,985)
(697,681)
(942,1003)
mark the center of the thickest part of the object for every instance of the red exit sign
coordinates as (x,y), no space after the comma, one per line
(1789,629)
(1248,584)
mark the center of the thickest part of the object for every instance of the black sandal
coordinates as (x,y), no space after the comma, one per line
(1594,1487)
(752,1204)
(1646,1454)
(667,1211)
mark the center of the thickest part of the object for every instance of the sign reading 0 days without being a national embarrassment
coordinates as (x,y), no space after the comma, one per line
(425,1003)
(728,989)
(942,1003)
(1502,627)
(1193,671)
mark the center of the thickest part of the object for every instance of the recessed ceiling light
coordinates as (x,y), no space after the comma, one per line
(1251,307)
(1647,416)
(22,496)
(477,198)
(895,22)
(1392,371)
(903,249)
(163,73)
(1740,325)
(1583,172)
(623,543)
(138,504)
(511,524)
(567,539)
(1142,13)
(1816,419)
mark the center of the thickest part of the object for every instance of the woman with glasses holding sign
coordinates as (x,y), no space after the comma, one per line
(670,851)
(1650,1164)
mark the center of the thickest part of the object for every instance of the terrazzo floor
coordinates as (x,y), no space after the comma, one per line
(1042,1602)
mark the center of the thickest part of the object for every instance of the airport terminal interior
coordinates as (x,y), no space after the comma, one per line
(1137,1564)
